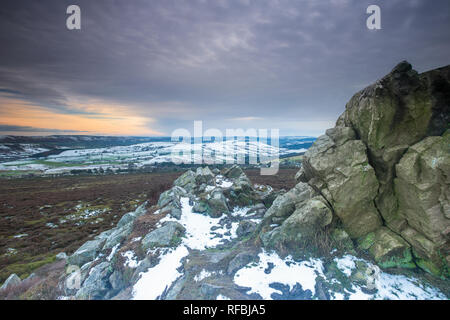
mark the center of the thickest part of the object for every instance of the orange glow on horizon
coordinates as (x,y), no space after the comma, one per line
(110,119)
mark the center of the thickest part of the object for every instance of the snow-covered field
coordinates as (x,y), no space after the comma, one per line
(149,154)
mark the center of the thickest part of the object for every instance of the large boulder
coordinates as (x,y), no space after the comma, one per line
(297,231)
(384,169)
(396,112)
(168,235)
(284,205)
(87,252)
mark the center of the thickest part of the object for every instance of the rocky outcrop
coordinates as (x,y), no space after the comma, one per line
(384,171)
(108,266)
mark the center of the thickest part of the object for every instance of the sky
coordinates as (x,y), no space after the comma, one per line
(146,68)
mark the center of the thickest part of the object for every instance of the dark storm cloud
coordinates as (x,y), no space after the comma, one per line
(280,63)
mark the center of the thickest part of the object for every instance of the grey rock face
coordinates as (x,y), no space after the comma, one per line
(96,284)
(169,235)
(87,252)
(118,235)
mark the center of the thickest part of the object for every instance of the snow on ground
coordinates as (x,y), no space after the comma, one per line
(131,261)
(202,232)
(272,269)
(153,282)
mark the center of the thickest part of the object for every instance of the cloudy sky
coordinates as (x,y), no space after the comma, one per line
(148,67)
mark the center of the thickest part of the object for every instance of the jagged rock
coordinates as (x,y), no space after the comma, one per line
(169,235)
(131,216)
(13,280)
(233,172)
(284,205)
(394,113)
(422,187)
(172,196)
(303,224)
(96,284)
(204,175)
(245,228)
(118,235)
(239,261)
(186,181)
(217,204)
(87,252)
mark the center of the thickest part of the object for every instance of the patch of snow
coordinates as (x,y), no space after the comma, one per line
(222,297)
(346,264)
(153,282)
(285,271)
(131,259)
(199,233)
